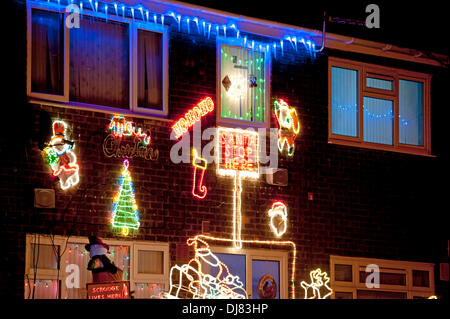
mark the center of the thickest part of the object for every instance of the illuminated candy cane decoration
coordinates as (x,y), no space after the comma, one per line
(198,189)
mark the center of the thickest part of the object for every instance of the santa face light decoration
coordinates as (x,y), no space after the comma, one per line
(278,218)
(61,157)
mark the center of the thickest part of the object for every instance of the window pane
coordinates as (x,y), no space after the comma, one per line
(146,290)
(385,278)
(44,289)
(343,295)
(99,63)
(47,52)
(242,84)
(375,294)
(344,101)
(421,278)
(379,84)
(45,256)
(149,70)
(150,262)
(235,264)
(261,268)
(410,112)
(343,272)
(378,121)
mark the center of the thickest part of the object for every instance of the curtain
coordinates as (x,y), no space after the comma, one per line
(78,255)
(410,112)
(379,84)
(149,70)
(47,52)
(242,84)
(344,101)
(378,120)
(99,63)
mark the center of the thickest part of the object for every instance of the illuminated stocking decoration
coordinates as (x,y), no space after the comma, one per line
(189,282)
(237,157)
(125,216)
(289,126)
(198,189)
(319,281)
(278,218)
(61,158)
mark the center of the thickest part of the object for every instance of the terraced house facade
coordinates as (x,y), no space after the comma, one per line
(176,132)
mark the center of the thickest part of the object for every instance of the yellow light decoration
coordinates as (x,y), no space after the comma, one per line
(204,286)
(265,242)
(289,126)
(319,279)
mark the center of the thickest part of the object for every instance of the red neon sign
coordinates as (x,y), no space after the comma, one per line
(195,114)
(109,290)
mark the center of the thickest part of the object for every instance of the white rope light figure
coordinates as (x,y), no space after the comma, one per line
(278,212)
(192,283)
(319,279)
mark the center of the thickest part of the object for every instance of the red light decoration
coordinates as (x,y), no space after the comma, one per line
(195,114)
(121,127)
(198,189)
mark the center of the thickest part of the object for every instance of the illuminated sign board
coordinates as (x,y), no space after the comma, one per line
(195,114)
(238,152)
(109,290)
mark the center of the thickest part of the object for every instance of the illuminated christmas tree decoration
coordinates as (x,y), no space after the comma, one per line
(319,280)
(60,156)
(278,218)
(192,283)
(195,114)
(199,190)
(289,126)
(125,215)
(238,156)
(120,127)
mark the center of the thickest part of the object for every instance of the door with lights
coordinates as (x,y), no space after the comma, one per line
(263,273)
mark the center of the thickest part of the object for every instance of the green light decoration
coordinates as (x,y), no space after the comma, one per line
(125,215)
(51,158)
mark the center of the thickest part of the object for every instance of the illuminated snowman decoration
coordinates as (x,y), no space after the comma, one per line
(278,218)
(289,126)
(61,157)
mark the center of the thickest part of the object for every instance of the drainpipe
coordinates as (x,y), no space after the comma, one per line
(323,33)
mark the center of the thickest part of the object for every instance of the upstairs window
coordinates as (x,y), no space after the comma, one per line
(107,62)
(377,107)
(243,79)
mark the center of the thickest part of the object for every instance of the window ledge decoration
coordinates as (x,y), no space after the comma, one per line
(61,158)
(187,24)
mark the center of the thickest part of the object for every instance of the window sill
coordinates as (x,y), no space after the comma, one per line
(100,109)
(241,124)
(404,149)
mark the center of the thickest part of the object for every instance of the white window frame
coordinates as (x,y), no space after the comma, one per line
(133,26)
(392,266)
(260,254)
(45,274)
(228,122)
